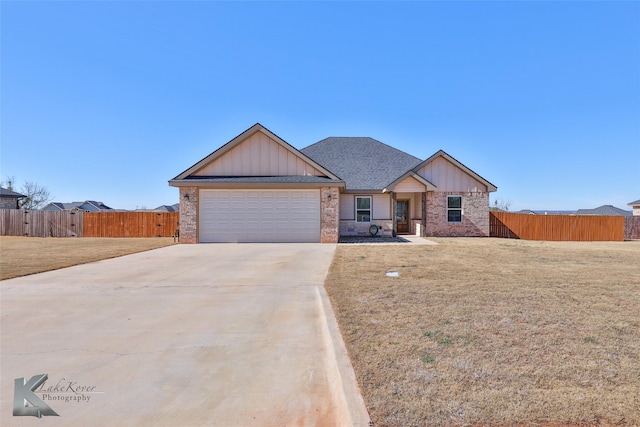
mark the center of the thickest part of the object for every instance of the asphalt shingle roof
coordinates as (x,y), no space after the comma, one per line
(363,163)
(8,193)
(74,205)
(168,208)
(604,210)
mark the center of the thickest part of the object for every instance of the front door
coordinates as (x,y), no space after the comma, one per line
(402,216)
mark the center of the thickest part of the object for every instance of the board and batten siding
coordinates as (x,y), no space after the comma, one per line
(381,206)
(448,177)
(409,185)
(347,206)
(249,159)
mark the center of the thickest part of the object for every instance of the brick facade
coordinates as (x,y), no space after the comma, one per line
(475,214)
(329,214)
(188,215)
(475,217)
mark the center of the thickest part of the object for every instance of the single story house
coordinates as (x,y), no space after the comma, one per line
(259,188)
(636,207)
(10,199)
(86,206)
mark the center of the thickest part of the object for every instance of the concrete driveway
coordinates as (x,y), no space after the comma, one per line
(188,335)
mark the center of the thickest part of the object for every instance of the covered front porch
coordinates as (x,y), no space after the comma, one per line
(409,204)
(410,215)
(399,209)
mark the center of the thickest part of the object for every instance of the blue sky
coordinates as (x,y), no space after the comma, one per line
(110,100)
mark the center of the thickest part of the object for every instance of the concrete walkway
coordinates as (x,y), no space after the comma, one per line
(188,335)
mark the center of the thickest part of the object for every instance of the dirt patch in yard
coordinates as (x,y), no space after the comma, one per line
(20,256)
(493,332)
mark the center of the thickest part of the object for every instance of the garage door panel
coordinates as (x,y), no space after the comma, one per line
(259,215)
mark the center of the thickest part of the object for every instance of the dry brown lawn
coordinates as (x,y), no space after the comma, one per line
(20,256)
(493,332)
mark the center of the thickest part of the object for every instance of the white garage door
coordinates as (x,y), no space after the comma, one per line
(259,215)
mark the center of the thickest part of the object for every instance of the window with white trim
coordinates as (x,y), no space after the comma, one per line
(363,208)
(454,208)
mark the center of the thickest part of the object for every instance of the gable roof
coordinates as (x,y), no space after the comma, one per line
(444,155)
(428,184)
(58,205)
(168,208)
(608,210)
(356,164)
(77,205)
(98,205)
(237,141)
(546,212)
(636,203)
(363,163)
(8,193)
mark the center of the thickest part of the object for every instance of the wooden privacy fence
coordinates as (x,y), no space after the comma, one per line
(563,227)
(17,222)
(130,224)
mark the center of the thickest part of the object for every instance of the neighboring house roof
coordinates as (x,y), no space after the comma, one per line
(86,205)
(636,203)
(546,212)
(363,163)
(57,206)
(168,208)
(10,194)
(604,210)
(99,205)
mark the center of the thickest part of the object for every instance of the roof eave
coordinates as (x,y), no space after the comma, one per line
(212,183)
(365,191)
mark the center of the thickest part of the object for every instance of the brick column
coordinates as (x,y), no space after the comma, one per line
(329,215)
(188,215)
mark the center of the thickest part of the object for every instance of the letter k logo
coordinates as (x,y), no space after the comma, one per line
(23,394)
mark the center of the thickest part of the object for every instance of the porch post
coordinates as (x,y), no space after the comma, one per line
(394,208)
(424,215)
